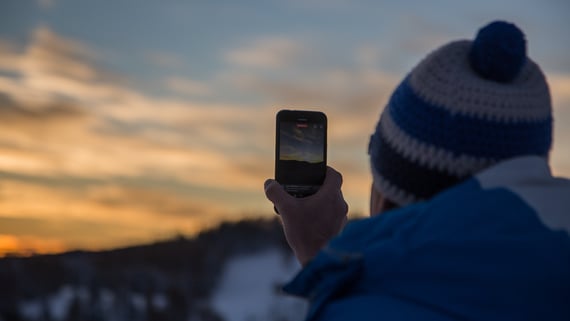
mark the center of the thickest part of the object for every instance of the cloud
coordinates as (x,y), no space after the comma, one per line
(78,217)
(12,112)
(158,128)
(60,126)
(82,123)
(267,53)
(187,86)
(560,89)
(46,4)
(52,68)
(51,54)
(33,196)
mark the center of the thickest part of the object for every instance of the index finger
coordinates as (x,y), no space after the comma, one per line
(275,192)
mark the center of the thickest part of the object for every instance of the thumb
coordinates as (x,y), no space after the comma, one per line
(274,191)
(333,180)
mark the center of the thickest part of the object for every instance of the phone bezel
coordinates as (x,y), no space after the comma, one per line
(287,115)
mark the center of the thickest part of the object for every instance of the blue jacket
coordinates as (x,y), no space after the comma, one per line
(495,247)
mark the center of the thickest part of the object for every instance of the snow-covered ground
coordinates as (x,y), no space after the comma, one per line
(249,289)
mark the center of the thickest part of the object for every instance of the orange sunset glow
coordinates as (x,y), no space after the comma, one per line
(126,132)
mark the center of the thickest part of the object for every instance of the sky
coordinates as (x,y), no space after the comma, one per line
(128,121)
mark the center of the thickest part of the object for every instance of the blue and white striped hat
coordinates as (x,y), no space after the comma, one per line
(466,106)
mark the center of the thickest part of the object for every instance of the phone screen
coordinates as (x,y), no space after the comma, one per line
(301,151)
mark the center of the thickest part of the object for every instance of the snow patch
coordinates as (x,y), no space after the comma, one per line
(107,299)
(60,302)
(138,302)
(159,301)
(31,310)
(56,305)
(249,289)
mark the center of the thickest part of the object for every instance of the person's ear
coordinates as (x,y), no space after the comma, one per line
(378,203)
(376,200)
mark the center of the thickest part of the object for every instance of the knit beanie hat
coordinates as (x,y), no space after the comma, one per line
(465,107)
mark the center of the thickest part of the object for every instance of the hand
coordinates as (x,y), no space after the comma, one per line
(310,222)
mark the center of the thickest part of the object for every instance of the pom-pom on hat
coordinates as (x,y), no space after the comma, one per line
(465,107)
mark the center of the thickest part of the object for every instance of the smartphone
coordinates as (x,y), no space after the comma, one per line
(300,151)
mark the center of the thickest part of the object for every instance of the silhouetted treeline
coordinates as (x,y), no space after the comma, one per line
(167,280)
